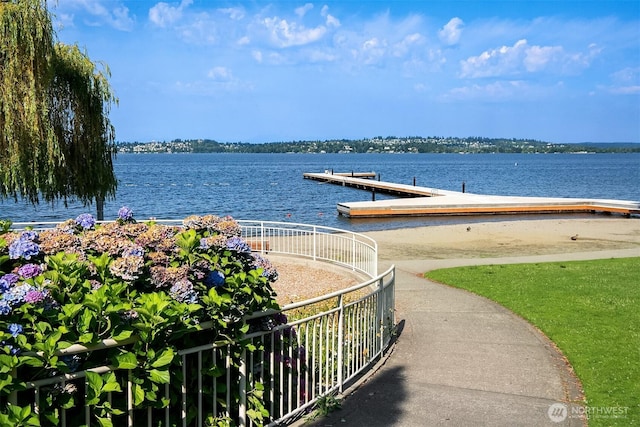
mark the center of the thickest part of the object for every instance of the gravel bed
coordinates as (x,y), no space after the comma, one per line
(300,279)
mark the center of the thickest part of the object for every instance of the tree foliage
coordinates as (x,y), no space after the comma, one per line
(56,140)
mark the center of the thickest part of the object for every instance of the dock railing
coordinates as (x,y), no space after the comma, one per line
(321,348)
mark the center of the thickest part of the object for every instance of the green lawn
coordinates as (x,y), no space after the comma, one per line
(590,309)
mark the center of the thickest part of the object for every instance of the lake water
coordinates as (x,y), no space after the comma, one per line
(271,186)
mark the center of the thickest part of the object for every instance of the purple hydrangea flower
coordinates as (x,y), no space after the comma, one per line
(7,281)
(35,296)
(214,279)
(125,214)
(15,329)
(85,221)
(238,244)
(28,271)
(268,270)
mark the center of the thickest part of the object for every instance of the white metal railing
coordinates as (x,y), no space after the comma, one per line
(323,346)
(353,250)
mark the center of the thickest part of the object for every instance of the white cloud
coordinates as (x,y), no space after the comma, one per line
(113,13)
(220,74)
(257,55)
(283,33)
(407,43)
(512,60)
(496,91)
(523,58)
(330,21)
(200,30)
(372,51)
(578,61)
(322,56)
(235,13)
(626,81)
(302,10)
(451,32)
(537,57)
(163,14)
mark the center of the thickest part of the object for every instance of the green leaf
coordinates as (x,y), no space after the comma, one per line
(159,377)
(94,387)
(110,383)
(105,422)
(31,361)
(125,361)
(138,394)
(123,335)
(86,338)
(7,363)
(164,358)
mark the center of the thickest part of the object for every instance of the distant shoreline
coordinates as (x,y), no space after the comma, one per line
(431,145)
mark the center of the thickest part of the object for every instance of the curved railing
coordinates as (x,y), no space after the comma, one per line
(352,250)
(326,343)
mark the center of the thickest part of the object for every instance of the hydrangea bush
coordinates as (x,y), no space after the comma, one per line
(154,287)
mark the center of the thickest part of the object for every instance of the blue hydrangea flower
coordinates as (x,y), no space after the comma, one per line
(133,251)
(183,291)
(12,350)
(30,235)
(5,307)
(26,249)
(85,221)
(214,279)
(125,214)
(16,295)
(72,362)
(7,281)
(238,244)
(15,329)
(204,244)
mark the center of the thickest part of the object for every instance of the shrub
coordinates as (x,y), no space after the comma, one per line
(153,287)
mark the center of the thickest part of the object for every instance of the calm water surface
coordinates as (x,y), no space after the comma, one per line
(271,186)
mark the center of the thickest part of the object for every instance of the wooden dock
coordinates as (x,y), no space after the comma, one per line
(357,180)
(423,201)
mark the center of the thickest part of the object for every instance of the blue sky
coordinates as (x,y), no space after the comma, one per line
(254,71)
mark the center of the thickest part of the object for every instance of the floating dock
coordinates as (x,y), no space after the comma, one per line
(424,201)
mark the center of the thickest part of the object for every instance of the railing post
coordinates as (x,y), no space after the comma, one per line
(242,407)
(340,343)
(353,251)
(382,309)
(315,233)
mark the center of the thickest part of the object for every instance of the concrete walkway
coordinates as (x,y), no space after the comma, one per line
(462,360)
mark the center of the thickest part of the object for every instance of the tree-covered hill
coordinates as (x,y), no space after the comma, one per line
(389,144)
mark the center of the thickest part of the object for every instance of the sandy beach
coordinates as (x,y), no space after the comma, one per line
(509,237)
(302,279)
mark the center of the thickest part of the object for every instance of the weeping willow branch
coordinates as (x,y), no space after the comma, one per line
(56,140)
